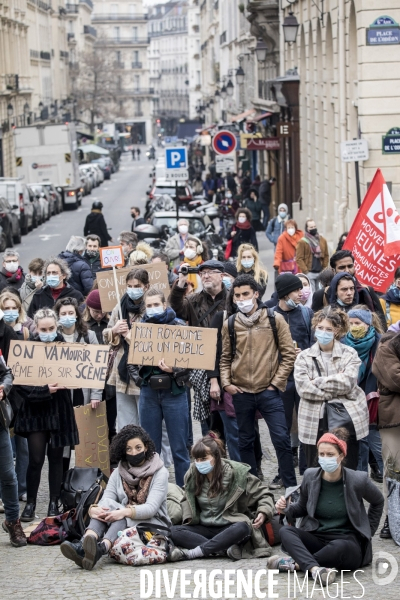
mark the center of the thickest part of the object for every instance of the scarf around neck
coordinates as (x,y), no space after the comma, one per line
(313,241)
(13,277)
(136,480)
(363,348)
(249,321)
(393,294)
(245,225)
(195,262)
(168,316)
(129,306)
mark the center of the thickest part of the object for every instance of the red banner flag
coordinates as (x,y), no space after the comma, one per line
(374,237)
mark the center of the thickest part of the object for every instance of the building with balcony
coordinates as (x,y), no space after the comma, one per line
(169,63)
(194,58)
(122,34)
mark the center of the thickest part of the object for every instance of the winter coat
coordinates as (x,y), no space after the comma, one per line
(191,308)
(43,298)
(275,228)
(246,497)
(26,292)
(12,281)
(7,334)
(96,225)
(243,236)
(93,263)
(357,487)
(81,274)
(265,192)
(299,321)
(254,207)
(98,327)
(304,255)
(286,249)
(386,368)
(338,384)
(174,498)
(257,363)
(173,249)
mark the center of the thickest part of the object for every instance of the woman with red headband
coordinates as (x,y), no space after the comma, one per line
(335,531)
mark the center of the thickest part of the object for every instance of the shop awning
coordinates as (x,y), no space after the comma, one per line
(243,115)
(94,149)
(263,116)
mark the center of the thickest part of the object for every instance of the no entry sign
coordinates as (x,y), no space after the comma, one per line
(224,142)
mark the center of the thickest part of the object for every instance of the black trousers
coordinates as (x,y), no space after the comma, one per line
(38,441)
(323,550)
(311,450)
(291,401)
(211,539)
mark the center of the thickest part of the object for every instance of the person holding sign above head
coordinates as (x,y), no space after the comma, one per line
(57,273)
(46,418)
(132,309)
(163,391)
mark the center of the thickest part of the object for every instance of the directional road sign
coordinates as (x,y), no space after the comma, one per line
(224,142)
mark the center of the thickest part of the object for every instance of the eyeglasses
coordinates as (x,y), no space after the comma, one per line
(208,273)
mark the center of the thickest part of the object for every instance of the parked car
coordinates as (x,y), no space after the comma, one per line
(57,204)
(86,178)
(165,186)
(164,223)
(37,208)
(16,193)
(44,198)
(100,174)
(94,174)
(9,221)
(104,166)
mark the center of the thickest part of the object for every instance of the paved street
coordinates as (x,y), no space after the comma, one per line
(38,573)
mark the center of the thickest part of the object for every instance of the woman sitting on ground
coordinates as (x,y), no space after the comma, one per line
(136,492)
(224,507)
(336,530)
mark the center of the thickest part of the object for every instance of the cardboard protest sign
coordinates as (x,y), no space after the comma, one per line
(158,275)
(93,449)
(70,365)
(374,237)
(185,347)
(111,256)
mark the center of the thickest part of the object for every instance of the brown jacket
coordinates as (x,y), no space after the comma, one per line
(256,365)
(386,368)
(304,255)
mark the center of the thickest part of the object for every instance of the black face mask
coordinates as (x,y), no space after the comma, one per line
(313,231)
(135,459)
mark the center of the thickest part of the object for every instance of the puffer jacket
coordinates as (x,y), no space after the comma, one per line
(246,497)
(286,248)
(81,274)
(386,368)
(257,363)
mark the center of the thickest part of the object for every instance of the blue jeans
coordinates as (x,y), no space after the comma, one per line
(373,442)
(156,405)
(231,435)
(20,447)
(8,478)
(270,405)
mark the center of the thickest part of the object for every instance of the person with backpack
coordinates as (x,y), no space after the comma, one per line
(312,254)
(276,226)
(257,359)
(136,492)
(298,317)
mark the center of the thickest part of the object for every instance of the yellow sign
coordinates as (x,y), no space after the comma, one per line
(248,136)
(68,157)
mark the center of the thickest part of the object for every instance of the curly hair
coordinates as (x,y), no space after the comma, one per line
(118,445)
(338,319)
(243,211)
(60,262)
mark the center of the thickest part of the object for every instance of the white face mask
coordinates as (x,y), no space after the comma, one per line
(242,219)
(291,230)
(190,253)
(183,229)
(11,267)
(245,306)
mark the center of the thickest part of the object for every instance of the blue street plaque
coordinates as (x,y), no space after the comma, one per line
(383,31)
(391,141)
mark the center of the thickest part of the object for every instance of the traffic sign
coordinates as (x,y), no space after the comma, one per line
(354,150)
(177,175)
(226,163)
(224,142)
(176,158)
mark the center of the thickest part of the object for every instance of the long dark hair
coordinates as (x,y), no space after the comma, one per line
(210,444)
(80,325)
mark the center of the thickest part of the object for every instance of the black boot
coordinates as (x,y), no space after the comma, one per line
(28,514)
(376,475)
(73,551)
(94,550)
(385,531)
(295,457)
(53,510)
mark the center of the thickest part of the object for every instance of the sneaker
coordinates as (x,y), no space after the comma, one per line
(176,554)
(282,563)
(234,552)
(276,483)
(326,576)
(16,533)
(1,506)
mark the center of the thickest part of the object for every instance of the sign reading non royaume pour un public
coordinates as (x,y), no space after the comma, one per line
(383,31)
(391,141)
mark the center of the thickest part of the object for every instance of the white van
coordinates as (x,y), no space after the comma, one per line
(15,191)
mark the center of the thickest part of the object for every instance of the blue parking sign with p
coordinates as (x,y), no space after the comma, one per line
(176,158)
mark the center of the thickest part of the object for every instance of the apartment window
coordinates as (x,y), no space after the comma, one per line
(119,83)
(116,33)
(138,105)
(71,26)
(136,56)
(136,82)
(114,9)
(132,9)
(118,56)
(134,33)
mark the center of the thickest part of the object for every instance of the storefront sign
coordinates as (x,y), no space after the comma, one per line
(391,141)
(271,143)
(284,129)
(383,31)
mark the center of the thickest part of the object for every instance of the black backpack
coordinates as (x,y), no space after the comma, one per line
(231,329)
(80,489)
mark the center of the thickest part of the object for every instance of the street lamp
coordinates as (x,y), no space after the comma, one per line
(229,88)
(261,50)
(224,93)
(217,94)
(290,26)
(10,110)
(239,76)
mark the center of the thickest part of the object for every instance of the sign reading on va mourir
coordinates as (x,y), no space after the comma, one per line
(383,31)
(391,141)
(176,163)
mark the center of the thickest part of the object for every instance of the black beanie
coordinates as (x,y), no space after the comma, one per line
(287,283)
(231,269)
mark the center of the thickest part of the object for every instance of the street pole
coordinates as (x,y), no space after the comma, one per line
(176,202)
(358,184)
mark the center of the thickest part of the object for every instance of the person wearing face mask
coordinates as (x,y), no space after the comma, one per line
(285,253)
(326,377)
(117,335)
(343,292)
(33,281)
(335,531)
(194,254)
(136,492)
(92,253)
(364,336)
(175,245)
(307,293)
(11,273)
(276,226)
(136,218)
(169,402)
(225,508)
(312,254)
(46,419)
(56,286)
(248,262)
(14,314)
(257,359)
(242,232)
